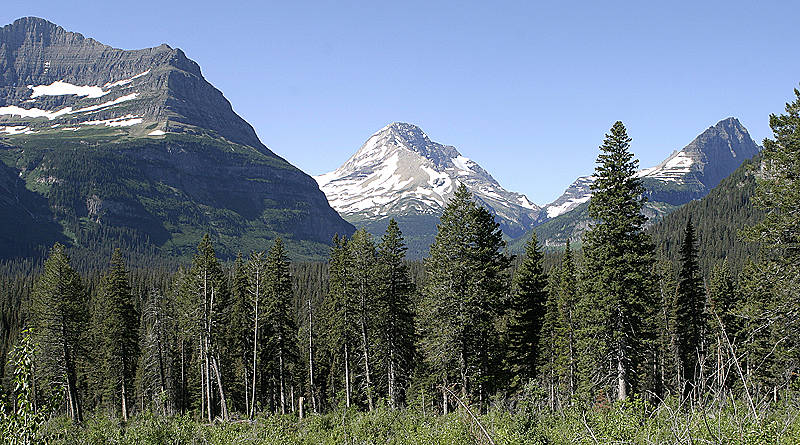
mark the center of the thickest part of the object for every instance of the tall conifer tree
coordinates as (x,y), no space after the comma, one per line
(528,306)
(567,325)
(396,319)
(58,315)
(341,322)
(120,348)
(619,257)
(690,317)
(283,329)
(466,282)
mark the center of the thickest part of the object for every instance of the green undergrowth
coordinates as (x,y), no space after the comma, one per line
(633,422)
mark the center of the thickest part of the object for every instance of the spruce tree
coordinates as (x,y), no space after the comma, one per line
(58,316)
(207,308)
(619,258)
(690,317)
(396,319)
(341,331)
(528,305)
(282,328)
(256,303)
(778,194)
(120,336)
(156,373)
(363,262)
(548,349)
(567,323)
(466,283)
(723,323)
(241,335)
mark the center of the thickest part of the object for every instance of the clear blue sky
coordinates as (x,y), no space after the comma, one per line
(527,89)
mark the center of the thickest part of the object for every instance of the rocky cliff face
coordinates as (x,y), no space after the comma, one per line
(139,141)
(399,171)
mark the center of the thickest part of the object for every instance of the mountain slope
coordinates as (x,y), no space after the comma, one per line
(400,172)
(137,144)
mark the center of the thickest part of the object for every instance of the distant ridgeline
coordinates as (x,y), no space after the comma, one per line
(104,146)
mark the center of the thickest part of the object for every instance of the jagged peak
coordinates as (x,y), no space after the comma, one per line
(411,137)
(33,21)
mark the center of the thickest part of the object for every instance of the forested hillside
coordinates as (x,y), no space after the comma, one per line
(720,219)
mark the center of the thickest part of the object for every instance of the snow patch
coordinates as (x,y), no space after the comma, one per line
(124,121)
(122,82)
(116,101)
(14,130)
(524,202)
(553,211)
(156,133)
(461,163)
(60,88)
(13,110)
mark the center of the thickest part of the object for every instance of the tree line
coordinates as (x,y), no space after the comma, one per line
(470,326)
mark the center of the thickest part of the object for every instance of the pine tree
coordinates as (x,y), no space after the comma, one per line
(58,316)
(206,302)
(256,302)
(120,336)
(665,355)
(757,341)
(567,323)
(723,323)
(548,349)
(241,333)
(396,319)
(778,194)
(279,313)
(619,257)
(466,283)
(341,318)
(528,305)
(157,364)
(363,262)
(690,317)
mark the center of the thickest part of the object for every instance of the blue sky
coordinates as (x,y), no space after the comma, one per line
(526,89)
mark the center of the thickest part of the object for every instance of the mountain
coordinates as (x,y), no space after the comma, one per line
(399,172)
(687,174)
(138,145)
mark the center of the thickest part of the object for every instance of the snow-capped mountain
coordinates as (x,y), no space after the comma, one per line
(400,171)
(687,174)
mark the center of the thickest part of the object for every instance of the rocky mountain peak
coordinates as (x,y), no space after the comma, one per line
(399,170)
(52,79)
(401,135)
